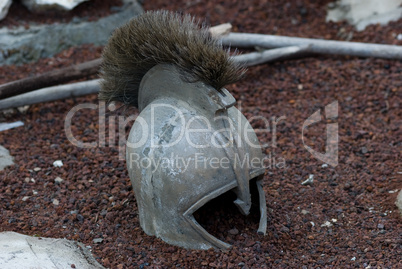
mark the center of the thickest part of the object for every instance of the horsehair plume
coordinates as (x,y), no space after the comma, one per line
(162,37)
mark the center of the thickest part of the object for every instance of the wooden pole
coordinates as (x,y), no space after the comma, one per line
(67,74)
(220,30)
(287,47)
(320,46)
(92,86)
(51,94)
(51,78)
(266,56)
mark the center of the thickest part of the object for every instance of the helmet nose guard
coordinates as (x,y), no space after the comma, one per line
(188,146)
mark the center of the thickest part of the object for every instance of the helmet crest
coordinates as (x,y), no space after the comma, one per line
(162,37)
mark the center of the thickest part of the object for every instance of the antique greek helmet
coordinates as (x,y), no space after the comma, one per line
(189,143)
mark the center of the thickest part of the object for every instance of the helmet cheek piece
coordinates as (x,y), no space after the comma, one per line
(170,173)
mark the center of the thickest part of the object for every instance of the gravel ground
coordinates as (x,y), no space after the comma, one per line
(345,219)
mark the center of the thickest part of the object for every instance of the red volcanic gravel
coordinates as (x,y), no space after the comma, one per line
(346,218)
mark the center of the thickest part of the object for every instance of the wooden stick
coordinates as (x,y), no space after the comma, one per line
(92,86)
(220,30)
(317,45)
(51,94)
(67,74)
(294,46)
(266,56)
(7,126)
(233,39)
(51,78)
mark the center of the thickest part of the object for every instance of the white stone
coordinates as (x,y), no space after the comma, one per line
(361,13)
(43,5)
(5,158)
(58,163)
(21,251)
(309,181)
(56,202)
(398,202)
(326,224)
(23,109)
(98,240)
(4,6)
(304,212)
(46,40)
(58,180)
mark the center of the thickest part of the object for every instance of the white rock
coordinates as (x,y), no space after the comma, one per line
(23,109)
(5,158)
(58,163)
(304,212)
(326,224)
(98,240)
(398,202)
(21,251)
(309,181)
(43,5)
(56,202)
(45,40)
(4,6)
(362,13)
(58,180)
